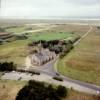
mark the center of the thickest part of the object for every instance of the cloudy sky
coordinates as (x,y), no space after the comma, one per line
(50,8)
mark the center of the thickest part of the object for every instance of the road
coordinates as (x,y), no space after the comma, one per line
(90,29)
(46,68)
(37,30)
(49,67)
(49,70)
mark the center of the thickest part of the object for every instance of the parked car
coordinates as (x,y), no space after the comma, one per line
(58,78)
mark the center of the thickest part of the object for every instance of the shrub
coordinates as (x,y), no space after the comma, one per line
(39,91)
(7,66)
(62,91)
(62,55)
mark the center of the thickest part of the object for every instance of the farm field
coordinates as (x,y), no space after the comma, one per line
(69,28)
(24,28)
(16,30)
(50,36)
(15,86)
(83,63)
(10,89)
(16,51)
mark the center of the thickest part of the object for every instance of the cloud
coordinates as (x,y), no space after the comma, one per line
(50,8)
(83,2)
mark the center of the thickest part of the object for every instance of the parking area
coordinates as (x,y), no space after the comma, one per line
(24,76)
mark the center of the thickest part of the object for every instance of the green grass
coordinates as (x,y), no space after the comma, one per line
(82,63)
(16,30)
(75,74)
(10,89)
(49,36)
(16,51)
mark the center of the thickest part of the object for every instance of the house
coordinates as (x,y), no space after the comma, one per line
(42,57)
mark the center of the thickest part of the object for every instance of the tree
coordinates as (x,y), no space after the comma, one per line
(62,91)
(7,66)
(39,91)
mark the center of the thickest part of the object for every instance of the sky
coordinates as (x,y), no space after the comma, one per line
(35,9)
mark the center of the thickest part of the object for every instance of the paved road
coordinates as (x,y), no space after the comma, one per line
(49,67)
(46,68)
(49,70)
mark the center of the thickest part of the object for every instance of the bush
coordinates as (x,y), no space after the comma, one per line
(39,91)
(32,72)
(62,55)
(7,66)
(54,45)
(62,91)
(21,37)
(1,42)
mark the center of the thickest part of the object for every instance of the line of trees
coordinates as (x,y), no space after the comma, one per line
(7,66)
(66,49)
(56,46)
(41,91)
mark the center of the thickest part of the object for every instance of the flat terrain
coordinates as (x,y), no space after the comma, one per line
(83,63)
(70,28)
(16,51)
(17,29)
(73,95)
(9,90)
(24,28)
(50,36)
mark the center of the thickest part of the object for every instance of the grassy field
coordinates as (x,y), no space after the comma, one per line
(24,28)
(70,28)
(83,63)
(74,95)
(10,89)
(16,30)
(14,51)
(49,36)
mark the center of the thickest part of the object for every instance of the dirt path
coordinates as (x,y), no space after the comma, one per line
(27,63)
(37,30)
(90,29)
